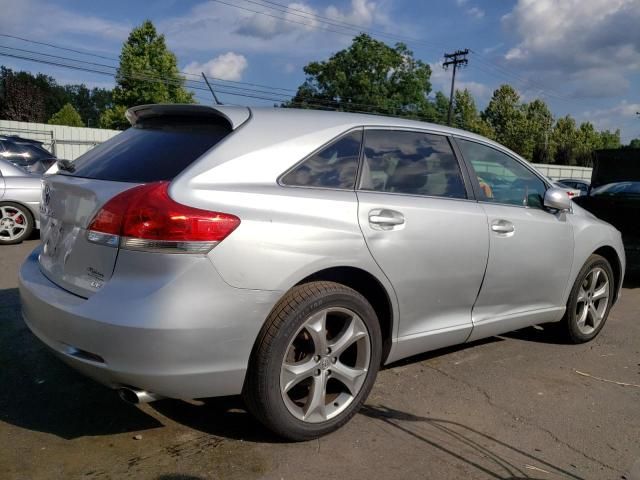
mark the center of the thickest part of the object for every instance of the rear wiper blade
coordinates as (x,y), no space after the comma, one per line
(66,165)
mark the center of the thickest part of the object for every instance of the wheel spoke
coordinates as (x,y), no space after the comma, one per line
(294,373)
(594,280)
(582,295)
(582,320)
(317,328)
(593,315)
(601,292)
(352,378)
(315,410)
(354,331)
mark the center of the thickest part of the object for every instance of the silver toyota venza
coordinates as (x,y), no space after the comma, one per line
(288,254)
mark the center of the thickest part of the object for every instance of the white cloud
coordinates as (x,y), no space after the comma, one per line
(441,80)
(586,45)
(210,25)
(43,20)
(475,12)
(621,116)
(228,66)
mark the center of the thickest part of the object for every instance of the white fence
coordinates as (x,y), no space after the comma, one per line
(556,172)
(63,142)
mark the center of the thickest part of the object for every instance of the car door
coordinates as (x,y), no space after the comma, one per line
(530,247)
(425,231)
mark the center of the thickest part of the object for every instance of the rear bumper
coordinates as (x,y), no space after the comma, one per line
(178,330)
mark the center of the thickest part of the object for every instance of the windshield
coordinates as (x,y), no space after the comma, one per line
(630,189)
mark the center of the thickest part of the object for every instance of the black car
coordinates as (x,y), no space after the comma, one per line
(614,197)
(582,185)
(26,153)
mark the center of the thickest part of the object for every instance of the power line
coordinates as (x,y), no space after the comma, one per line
(306,101)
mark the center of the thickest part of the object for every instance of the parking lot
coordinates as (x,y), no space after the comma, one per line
(518,406)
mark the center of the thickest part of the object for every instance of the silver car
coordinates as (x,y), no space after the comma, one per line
(288,254)
(19,201)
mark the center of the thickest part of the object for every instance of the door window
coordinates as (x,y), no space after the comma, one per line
(412,163)
(335,166)
(503,179)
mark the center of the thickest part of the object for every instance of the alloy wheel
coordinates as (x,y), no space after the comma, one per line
(592,300)
(13,223)
(325,365)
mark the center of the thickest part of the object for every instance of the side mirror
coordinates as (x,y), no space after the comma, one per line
(557,199)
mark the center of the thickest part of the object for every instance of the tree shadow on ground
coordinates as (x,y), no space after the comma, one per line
(485,454)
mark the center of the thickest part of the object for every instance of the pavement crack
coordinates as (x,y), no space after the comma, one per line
(525,420)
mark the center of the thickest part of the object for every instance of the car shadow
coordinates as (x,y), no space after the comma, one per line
(40,393)
(488,455)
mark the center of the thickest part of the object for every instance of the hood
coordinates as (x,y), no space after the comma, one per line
(616,165)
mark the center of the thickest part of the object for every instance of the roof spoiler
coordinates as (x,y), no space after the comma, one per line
(235,115)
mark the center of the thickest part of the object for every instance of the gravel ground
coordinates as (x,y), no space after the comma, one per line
(511,407)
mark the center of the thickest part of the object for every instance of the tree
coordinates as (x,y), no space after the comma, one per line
(537,132)
(635,143)
(588,141)
(565,140)
(506,117)
(466,116)
(441,108)
(90,103)
(610,139)
(67,115)
(368,76)
(148,73)
(21,99)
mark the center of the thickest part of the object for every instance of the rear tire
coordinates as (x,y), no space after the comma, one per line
(314,362)
(590,301)
(16,223)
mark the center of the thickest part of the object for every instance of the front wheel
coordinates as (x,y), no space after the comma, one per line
(590,301)
(315,361)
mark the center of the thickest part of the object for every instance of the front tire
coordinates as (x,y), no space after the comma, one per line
(315,361)
(590,301)
(16,223)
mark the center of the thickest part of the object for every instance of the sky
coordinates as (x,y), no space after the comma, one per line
(581,56)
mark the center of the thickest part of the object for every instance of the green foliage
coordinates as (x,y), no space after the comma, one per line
(507,118)
(466,116)
(67,115)
(114,118)
(35,98)
(148,71)
(609,139)
(635,143)
(369,76)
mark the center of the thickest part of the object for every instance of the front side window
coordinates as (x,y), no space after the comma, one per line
(335,166)
(503,179)
(412,163)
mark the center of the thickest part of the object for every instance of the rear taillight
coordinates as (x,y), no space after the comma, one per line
(146,218)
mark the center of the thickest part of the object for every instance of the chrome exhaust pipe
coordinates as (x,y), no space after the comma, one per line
(136,396)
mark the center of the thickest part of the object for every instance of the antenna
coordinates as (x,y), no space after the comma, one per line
(218,102)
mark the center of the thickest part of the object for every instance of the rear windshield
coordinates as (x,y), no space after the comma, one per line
(153,150)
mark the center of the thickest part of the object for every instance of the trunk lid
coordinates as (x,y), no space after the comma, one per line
(68,259)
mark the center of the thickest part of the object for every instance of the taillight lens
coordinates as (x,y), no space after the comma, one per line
(146,218)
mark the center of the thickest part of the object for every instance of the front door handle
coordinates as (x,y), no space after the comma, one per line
(502,226)
(385,218)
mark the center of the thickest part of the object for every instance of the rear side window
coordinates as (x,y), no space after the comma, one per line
(152,150)
(334,166)
(412,163)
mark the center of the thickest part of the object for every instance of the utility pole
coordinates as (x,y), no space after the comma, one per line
(459,57)
(211,88)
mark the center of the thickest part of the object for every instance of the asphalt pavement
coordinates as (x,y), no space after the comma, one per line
(511,407)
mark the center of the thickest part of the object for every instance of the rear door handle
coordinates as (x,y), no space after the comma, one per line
(385,218)
(502,226)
